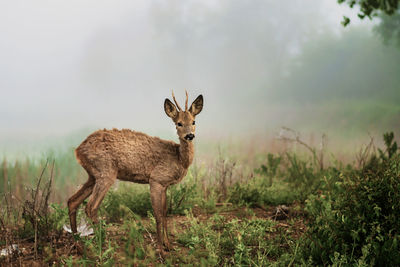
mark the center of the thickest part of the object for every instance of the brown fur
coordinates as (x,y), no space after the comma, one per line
(133,156)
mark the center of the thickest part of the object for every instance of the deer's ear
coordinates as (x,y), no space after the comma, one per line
(196,106)
(170,109)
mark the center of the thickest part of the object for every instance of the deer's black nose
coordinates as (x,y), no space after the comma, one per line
(189,136)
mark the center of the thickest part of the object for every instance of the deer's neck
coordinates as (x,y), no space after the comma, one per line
(186,153)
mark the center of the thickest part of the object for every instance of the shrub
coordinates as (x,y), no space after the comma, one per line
(301,175)
(270,169)
(181,197)
(245,194)
(357,221)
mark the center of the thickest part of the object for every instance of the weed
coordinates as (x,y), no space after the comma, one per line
(245,194)
(181,196)
(235,242)
(270,169)
(356,221)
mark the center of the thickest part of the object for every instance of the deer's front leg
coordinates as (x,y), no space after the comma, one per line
(164,220)
(156,192)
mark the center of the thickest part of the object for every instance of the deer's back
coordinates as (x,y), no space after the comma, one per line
(134,155)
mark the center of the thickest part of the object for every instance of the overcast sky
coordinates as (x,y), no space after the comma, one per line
(72,65)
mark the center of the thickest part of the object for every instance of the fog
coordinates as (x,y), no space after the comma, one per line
(70,66)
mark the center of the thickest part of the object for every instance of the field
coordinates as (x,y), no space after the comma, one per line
(278,202)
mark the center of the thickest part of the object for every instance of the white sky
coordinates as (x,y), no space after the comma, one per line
(67,65)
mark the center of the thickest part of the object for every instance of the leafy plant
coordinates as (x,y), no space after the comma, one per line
(391,147)
(181,197)
(358,219)
(270,169)
(98,249)
(245,195)
(236,242)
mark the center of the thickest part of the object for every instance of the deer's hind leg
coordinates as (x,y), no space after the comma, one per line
(76,199)
(99,191)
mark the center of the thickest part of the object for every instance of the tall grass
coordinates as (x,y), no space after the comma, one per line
(17,175)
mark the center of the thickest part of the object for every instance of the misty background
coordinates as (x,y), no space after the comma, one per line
(70,67)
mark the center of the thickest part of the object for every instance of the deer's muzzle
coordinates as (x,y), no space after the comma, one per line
(189,137)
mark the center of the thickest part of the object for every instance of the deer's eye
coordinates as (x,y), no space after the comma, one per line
(194,123)
(179,124)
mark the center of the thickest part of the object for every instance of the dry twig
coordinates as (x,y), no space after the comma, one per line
(317,157)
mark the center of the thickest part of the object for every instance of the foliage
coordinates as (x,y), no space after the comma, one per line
(136,199)
(98,250)
(357,220)
(391,147)
(389,29)
(134,242)
(266,188)
(222,242)
(282,180)
(301,175)
(271,168)
(371,8)
(181,196)
(246,194)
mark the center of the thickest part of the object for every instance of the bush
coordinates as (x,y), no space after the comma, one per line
(270,169)
(357,220)
(181,197)
(302,176)
(282,180)
(245,194)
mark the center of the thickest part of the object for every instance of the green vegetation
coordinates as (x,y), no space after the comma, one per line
(356,219)
(371,8)
(295,208)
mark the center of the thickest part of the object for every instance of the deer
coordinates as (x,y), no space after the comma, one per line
(127,155)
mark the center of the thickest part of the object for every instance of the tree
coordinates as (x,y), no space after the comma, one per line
(389,29)
(371,8)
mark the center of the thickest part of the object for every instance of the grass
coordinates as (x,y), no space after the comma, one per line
(259,209)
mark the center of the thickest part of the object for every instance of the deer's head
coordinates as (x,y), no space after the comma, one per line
(184,119)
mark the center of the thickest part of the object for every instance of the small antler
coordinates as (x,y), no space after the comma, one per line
(176,102)
(186,102)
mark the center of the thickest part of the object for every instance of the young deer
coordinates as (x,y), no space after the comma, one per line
(107,155)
